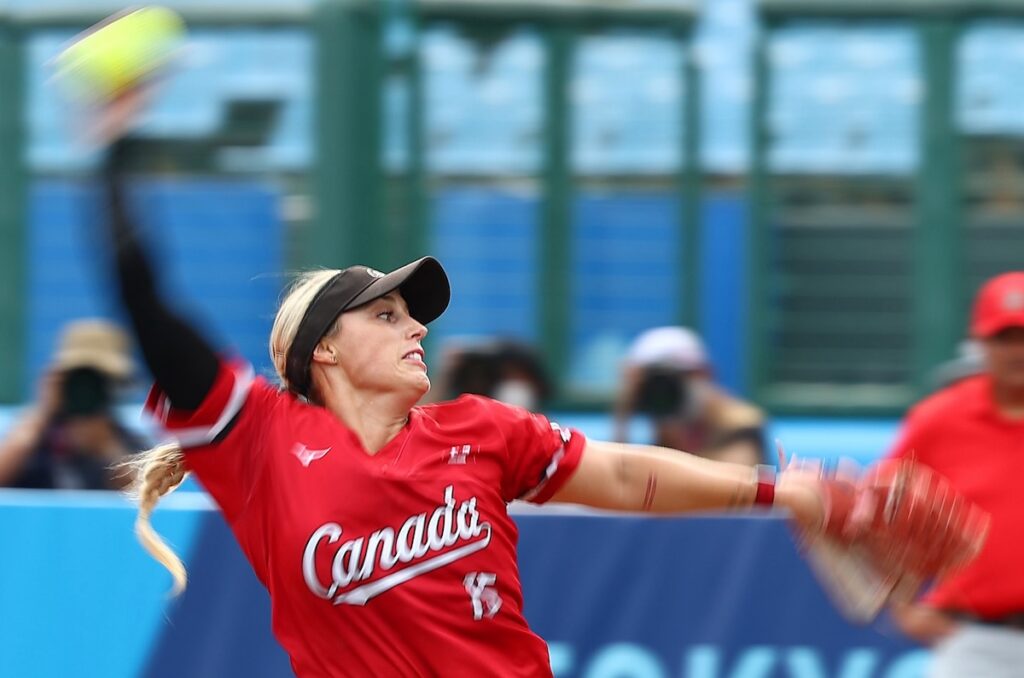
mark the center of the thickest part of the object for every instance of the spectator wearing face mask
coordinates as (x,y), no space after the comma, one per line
(667,377)
(504,369)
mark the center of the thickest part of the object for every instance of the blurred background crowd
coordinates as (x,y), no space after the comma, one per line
(759,173)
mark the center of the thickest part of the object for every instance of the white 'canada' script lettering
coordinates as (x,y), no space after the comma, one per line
(357,559)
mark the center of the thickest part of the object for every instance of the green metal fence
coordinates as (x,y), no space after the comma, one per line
(860,290)
(915,245)
(12,211)
(18,26)
(351,184)
(361,211)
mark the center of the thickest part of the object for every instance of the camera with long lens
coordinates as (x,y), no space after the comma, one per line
(663,391)
(86,392)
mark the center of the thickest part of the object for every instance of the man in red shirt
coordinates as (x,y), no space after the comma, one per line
(972,432)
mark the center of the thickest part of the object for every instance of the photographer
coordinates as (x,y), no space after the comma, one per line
(70,437)
(667,377)
(504,369)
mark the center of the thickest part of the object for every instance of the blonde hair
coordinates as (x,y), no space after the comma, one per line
(290,313)
(157,472)
(161,470)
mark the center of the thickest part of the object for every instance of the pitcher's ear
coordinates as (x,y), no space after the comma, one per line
(325,354)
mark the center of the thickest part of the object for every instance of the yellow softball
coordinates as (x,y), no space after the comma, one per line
(119,52)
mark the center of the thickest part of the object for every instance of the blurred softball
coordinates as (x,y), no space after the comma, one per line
(119,54)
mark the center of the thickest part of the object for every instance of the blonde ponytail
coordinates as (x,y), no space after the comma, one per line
(158,472)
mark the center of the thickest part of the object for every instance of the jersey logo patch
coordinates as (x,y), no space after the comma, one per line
(307,456)
(459,454)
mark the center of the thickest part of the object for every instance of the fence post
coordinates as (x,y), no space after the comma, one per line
(690,177)
(348,226)
(758,223)
(939,277)
(556,238)
(13,186)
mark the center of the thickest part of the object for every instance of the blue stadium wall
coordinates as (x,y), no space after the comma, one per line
(220,248)
(615,597)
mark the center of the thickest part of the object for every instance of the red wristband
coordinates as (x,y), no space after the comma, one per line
(765,495)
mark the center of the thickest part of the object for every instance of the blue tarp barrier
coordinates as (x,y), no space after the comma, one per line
(615,596)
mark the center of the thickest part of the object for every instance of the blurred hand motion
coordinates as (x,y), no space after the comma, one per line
(887,532)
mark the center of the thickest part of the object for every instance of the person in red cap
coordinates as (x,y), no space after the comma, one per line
(972,432)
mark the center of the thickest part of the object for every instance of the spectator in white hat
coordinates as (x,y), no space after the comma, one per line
(70,437)
(667,376)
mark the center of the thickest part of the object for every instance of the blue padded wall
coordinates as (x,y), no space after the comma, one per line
(487,240)
(218,246)
(625,278)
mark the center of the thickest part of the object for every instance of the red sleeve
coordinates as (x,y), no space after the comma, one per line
(541,455)
(201,426)
(222,437)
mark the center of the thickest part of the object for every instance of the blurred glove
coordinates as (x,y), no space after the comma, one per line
(889,531)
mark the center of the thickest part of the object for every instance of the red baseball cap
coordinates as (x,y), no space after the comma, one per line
(999,304)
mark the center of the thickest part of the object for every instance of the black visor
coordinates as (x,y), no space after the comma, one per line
(423,284)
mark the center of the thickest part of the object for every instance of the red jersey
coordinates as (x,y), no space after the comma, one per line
(960,433)
(399,563)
